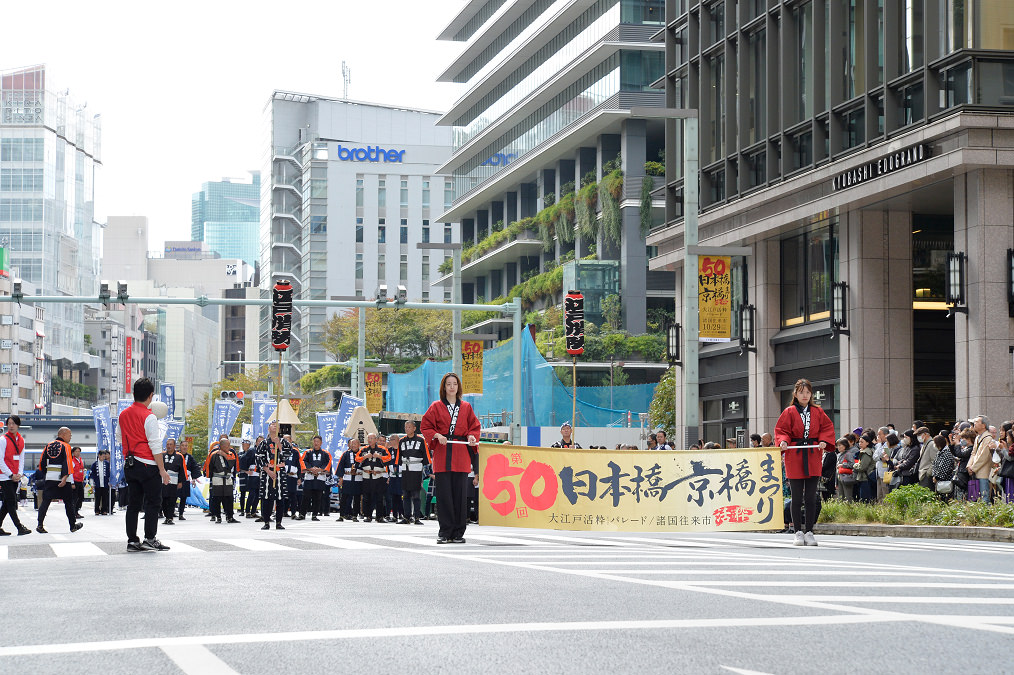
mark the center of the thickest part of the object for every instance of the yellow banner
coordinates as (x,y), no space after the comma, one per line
(630,491)
(714,297)
(374,392)
(471,366)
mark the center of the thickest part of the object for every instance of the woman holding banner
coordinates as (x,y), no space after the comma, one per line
(451,431)
(803,431)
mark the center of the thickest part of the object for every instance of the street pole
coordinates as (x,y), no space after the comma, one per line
(361,358)
(456,314)
(517,391)
(691,319)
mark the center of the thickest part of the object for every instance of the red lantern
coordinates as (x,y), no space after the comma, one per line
(573,321)
(281,315)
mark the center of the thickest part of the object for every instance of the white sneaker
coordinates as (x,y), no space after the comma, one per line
(798,541)
(809,539)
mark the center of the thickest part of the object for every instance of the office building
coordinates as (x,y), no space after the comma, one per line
(49,160)
(226,215)
(23,378)
(544,139)
(864,151)
(349,190)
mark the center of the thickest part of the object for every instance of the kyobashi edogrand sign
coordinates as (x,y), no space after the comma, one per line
(736,489)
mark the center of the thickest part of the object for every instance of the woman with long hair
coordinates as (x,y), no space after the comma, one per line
(801,425)
(451,431)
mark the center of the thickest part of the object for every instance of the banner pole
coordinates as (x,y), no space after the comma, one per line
(573,415)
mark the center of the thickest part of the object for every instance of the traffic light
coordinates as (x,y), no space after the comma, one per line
(234,396)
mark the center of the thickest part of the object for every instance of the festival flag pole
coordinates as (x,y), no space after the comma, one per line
(573,320)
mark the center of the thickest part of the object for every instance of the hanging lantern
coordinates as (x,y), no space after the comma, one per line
(573,318)
(281,315)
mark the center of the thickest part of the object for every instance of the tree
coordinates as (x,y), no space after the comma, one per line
(662,412)
(612,310)
(390,332)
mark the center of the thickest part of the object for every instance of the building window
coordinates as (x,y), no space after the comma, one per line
(802,147)
(404,193)
(447,233)
(381,267)
(910,46)
(995,82)
(426,298)
(716,97)
(425,268)
(809,267)
(716,23)
(448,194)
(757,171)
(381,234)
(803,44)
(359,192)
(426,234)
(403,268)
(853,125)
(426,194)
(855,62)
(447,295)
(404,233)
(359,230)
(958,84)
(644,12)
(756,88)
(382,194)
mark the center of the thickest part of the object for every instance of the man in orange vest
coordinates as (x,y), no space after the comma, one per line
(143,467)
(58,466)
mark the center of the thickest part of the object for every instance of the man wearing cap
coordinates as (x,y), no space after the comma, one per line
(567,440)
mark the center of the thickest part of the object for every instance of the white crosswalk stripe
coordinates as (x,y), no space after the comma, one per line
(76,549)
(340,542)
(255,544)
(3,553)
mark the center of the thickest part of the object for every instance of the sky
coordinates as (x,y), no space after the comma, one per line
(181,87)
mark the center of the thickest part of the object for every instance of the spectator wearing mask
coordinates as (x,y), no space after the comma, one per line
(865,468)
(981,462)
(962,453)
(755,441)
(893,448)
(943,468)
(927,455)
(906,464)
(652,443)
(845,463)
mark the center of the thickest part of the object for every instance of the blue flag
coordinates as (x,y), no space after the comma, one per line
(224,419)
(327,423)
(104,441)
(167,394)
(263,411)
(345,409)
(171,430)
(116,458)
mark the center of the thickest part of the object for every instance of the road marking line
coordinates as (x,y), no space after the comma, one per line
(905,599)
(742,671)
(76,549)
(867,584)
(255,544)
(180,547)
(187,642)
(197,660)
(338,542)
(608,541)
(3,553)
(411,539)
(509,540)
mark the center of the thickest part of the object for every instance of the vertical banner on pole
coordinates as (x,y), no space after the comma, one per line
(714,288)
(167,393)
(471,366)
(281,315)
(263,411)
(374,392)
(327,428)
(128,362)
(223,420)
(573,320)
(345,409)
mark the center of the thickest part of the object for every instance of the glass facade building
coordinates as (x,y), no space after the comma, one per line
(226,215)
(850,143)
(50,154)
(550,86)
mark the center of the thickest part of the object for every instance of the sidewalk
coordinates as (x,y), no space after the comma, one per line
(1001,534)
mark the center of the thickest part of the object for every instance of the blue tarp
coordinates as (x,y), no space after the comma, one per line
(547,401)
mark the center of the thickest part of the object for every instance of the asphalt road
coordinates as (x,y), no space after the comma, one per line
(384,598)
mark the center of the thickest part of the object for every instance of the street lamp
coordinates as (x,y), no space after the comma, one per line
(746,316)
(956,283)
(672,342)
(839,309)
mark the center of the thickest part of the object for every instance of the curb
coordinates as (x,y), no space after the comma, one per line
(1001,534)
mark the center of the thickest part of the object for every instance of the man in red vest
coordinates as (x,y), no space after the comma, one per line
(143,467)
(12,463)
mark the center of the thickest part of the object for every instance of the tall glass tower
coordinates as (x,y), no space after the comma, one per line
(49,158)
(225,214)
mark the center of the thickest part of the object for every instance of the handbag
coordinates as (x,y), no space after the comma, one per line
(944,487)
(1007,469)
(996,457)
(888,477)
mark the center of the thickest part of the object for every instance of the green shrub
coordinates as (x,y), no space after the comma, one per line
(654,168)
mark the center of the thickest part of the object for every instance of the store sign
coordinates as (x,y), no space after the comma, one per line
(499,159)
(374,392)
(6,393)
(371,153)
(22,107)
(6,344)
(894,161)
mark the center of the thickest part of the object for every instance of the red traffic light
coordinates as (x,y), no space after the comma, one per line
(240,395)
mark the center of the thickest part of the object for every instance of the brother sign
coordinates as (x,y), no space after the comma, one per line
(371,153)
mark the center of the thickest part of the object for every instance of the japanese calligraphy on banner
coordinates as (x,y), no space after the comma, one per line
(723,490)
(573,321)
(374,392)
(471,366)
(714,288)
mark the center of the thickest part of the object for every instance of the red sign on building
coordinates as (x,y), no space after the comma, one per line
(128,385)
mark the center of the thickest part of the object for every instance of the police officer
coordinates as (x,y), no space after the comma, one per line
(412,451)
(316,466)
(12,462)
(58,467)
(248,466)
(175,465)
(373,459)
(350,483)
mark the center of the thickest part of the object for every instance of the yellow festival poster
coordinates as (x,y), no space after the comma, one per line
(714,296)
(374,392)
(630,491)
(471,366)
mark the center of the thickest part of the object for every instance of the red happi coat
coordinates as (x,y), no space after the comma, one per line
(789,428)
(438,421)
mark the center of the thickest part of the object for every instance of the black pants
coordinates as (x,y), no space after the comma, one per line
(183,500)
(266,505)
(373,498)
(248,499)
(804,493)
(54,491)
(144,490)
(313,501)
(348,505)
(169,503)
(78,496)
(452,503)
(101,500)
(413,505)
(9,491)
(216,507)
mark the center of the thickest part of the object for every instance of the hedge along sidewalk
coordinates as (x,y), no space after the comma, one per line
(968,532)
